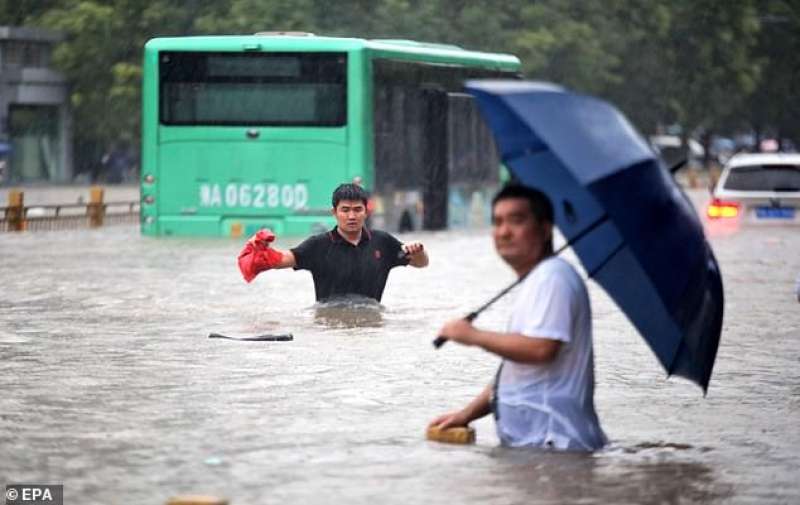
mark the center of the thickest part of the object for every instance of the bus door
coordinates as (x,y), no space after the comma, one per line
(473,163)
(434,162)
(460,161)
(411,168)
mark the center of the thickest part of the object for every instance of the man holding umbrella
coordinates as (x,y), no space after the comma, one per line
(543,394)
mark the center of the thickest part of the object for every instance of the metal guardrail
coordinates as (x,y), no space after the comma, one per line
(18,217)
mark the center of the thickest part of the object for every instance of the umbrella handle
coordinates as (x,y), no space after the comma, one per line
(677,166)
(441,340)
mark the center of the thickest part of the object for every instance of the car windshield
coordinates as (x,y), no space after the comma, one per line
(764,178)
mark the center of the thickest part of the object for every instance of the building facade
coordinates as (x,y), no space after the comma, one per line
(35,123)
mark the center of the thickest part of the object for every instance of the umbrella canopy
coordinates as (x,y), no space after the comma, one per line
(630,224)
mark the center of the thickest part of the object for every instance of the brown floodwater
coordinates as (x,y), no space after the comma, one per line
(111,386)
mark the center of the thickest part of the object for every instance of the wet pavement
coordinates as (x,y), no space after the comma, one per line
(111,386)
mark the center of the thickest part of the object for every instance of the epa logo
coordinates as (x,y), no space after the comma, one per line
(34,494)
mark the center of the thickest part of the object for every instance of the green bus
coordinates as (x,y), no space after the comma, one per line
(245,132)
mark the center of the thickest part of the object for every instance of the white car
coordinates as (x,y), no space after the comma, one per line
(759,188)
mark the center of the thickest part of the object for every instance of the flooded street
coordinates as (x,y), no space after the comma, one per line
(111,386)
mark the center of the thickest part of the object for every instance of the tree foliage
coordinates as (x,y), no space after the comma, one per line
(708,65)
(774,105)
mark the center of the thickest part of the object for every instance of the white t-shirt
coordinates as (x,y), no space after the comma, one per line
(551,405)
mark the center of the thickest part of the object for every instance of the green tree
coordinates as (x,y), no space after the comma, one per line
(568,42)
(704,64)
(713,71)
(252,16)
(22,12)
(641,86)
(101,59)
(774,107)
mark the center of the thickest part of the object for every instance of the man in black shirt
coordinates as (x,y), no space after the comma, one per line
(350,259)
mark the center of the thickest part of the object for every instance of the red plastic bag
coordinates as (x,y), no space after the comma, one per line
(257,256)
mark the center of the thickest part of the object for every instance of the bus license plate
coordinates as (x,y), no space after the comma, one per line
(775,212)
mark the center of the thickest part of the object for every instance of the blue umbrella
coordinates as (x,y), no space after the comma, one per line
(631,226)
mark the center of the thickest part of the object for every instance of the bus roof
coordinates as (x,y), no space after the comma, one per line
(395,49)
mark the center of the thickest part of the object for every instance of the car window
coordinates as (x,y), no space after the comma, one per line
(764,178)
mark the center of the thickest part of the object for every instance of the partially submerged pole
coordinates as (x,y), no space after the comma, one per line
(95,210)
(15,212)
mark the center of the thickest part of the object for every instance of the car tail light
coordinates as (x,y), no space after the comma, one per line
(720,209)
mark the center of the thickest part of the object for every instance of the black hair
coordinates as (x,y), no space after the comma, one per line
(540,204)
(349,192)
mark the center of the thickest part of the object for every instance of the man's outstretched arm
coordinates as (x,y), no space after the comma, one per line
(257,256)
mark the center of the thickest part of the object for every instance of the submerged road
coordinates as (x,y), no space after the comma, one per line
(111,386)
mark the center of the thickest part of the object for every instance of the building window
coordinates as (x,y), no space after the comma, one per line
(36,141)
(26,54)
(12,52)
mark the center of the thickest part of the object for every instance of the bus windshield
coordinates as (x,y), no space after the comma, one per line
(253,89)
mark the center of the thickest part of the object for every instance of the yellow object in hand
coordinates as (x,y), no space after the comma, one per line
(457,435)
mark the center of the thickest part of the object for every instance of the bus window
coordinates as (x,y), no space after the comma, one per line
(402,114)
(429,139)
(472,152)
(253,89)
